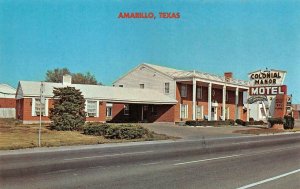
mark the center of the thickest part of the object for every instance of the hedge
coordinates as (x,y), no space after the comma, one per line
(246,123)
(111,131)
(210,123)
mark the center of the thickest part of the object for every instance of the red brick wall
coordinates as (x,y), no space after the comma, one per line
(280,105)
(24,111)
(216,96)
(7,103)
(296,114)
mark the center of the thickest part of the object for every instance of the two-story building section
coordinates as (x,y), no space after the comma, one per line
(199,95)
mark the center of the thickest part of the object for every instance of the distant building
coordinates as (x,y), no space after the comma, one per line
(296,111)
(7,101)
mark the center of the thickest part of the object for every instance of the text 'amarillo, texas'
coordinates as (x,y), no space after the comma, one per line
(149,15)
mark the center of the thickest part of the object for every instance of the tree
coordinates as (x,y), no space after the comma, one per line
(68,112)
(80,78)
(57,74)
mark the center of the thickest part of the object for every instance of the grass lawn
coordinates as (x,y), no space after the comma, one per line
(14,135)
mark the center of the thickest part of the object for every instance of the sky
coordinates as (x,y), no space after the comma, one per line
(212,36)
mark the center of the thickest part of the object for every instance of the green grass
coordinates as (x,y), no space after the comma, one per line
(14,135)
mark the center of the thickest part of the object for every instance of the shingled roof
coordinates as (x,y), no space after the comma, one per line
(181,74)
(97,92)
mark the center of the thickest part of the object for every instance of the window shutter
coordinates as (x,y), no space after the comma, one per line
(46,107)
(33,107)
(97,109)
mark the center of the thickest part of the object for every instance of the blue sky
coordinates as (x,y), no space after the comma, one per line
(211,36)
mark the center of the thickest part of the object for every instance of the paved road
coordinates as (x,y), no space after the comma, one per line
(188,132)
(266,162)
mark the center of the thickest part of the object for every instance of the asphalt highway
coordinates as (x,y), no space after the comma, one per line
(239,162)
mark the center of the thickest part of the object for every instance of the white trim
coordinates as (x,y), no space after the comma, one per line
(186,116)
(97,108)
(216,83)
(46,107)
(33,107)
(85,107)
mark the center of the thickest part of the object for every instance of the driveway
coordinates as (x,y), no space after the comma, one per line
(188,132)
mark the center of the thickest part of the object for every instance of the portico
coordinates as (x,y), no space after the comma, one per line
(223,99)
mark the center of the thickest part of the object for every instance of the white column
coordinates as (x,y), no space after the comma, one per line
(236,102)
(248,110)
(224,103)
(194,99)
(209,102)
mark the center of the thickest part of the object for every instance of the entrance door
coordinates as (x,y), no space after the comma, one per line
(214,113)
(144,113)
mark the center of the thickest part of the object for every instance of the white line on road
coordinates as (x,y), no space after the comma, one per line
(109,155)
(236,155)
(152,163)
(210,159)
(269,179)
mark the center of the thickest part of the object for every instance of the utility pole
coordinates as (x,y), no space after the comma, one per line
(42,102)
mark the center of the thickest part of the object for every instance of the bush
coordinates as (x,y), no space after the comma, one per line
(125,131)
(246,123)
(68,112)
(240,122)
(289,122)
(210,123)
(273,121)
(95,129)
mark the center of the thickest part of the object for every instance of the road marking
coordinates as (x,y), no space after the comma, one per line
(109,155)
(153,163)
(269,179)
(210,159)
(236,155)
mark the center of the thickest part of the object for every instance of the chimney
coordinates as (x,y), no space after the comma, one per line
(67,79)
(228,76)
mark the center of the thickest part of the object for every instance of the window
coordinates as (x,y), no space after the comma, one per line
(142,86)
(199,93)
(39,107)
(199,112)
(126,109)
(120,85)
(108,110)
(167,88)
(183,111)
(91,108)
(183,91)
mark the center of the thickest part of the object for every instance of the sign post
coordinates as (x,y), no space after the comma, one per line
(42,102)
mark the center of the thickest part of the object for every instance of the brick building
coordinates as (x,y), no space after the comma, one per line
(7,101)
(103,103)
(199,95)
(148,93)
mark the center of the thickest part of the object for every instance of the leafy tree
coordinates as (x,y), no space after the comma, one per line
(87,78)
(68,111)
(57,74)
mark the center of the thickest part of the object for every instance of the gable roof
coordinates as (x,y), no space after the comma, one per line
(99,92)
(180,74)
(7,91)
